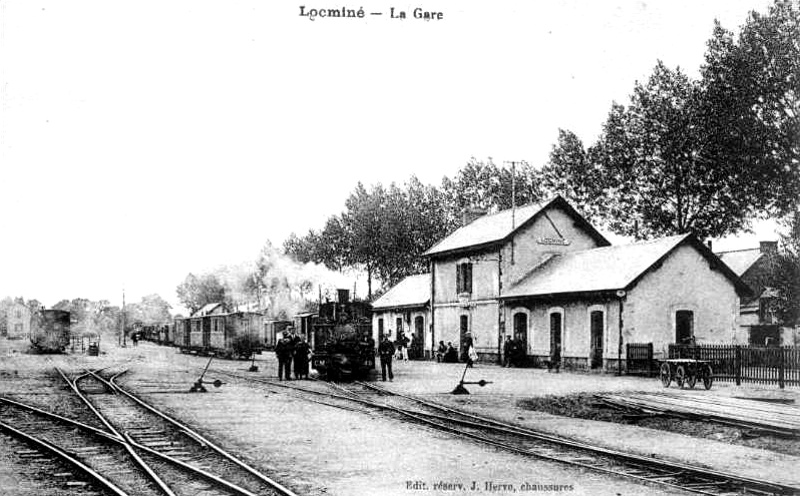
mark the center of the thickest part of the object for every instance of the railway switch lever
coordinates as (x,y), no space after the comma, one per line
(198,386)
(460,389)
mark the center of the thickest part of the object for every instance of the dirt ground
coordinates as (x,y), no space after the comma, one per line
(320,450)
(587,406)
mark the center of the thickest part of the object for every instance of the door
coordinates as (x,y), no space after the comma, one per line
(419,337)
(463,335)
(596,331)
(521,331)
(380,329)
(555,336)
(684,326)
(206,326)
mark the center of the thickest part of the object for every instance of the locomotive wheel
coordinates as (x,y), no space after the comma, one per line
(680,376)
(691,379)
(707,376)
(664,373)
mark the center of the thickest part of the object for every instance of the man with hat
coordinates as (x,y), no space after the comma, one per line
(284,350)
(386,351)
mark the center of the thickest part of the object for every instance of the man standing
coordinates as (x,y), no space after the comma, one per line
(386,351)
(284,350)
(508,349)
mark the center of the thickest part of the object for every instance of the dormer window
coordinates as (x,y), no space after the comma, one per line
(464,278)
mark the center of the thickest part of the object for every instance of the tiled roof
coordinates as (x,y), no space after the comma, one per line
(411,291)
(499,226)
(598,269)
(740,260)
(486,229)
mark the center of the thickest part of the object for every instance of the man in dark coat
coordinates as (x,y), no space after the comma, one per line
(508,352)
(386,351)
(301,350)
(284,350)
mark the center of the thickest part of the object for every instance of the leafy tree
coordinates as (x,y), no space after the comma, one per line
(787,272)
(485,186)
(752,105)
(154,310)
(574,173)
(196,292)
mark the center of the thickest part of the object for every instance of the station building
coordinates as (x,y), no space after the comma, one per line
(405,308)
(542,274)
(759,318)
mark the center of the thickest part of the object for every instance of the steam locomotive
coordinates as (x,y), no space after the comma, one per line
(50,331)
(342,342)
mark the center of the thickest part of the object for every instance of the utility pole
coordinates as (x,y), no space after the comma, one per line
(124,338)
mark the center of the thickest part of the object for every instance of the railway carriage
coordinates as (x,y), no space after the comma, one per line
(228,335)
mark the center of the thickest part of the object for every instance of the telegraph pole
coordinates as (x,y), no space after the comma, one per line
(124,338)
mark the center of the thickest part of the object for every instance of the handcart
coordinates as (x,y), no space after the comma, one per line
(686,371)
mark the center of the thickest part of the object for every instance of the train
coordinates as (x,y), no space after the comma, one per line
(157,333)
(50,331)
(341,338)
(221,333)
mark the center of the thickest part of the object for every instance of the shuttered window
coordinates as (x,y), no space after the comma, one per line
(464,278)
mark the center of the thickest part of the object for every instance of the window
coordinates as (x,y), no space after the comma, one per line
(464,278)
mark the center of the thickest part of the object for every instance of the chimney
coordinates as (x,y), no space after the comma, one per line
(468,215)
(708,243)
(344,295)
(768,247)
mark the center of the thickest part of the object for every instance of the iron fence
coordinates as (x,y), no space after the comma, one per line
(750,364)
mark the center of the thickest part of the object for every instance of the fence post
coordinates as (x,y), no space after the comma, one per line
(781,350)
(737,364)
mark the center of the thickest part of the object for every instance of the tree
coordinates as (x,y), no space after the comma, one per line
(787,272)
(484,186)
(154,310)
(196,292)
(576,175)
(752,106)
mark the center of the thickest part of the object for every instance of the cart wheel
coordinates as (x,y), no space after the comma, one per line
(664,373)
(680,376)
(691,378)
(708,377)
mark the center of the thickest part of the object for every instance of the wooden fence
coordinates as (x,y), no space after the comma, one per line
(751,364)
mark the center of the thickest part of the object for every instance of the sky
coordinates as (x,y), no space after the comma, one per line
(141,141)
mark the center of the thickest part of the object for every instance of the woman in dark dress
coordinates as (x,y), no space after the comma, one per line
(301,351)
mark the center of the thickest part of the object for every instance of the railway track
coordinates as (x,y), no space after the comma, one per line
(185,462)
(138,451)
(529,442)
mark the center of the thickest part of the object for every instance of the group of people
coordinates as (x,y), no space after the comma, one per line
(292,349)
(514,352)
(402,344)
(449,354)
(446,354)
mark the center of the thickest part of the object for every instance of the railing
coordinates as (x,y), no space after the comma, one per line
(751,364)
(639,359)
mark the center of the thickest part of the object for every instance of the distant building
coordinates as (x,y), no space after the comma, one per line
(18,321)
(405,307)
(758,315)
(543,274)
